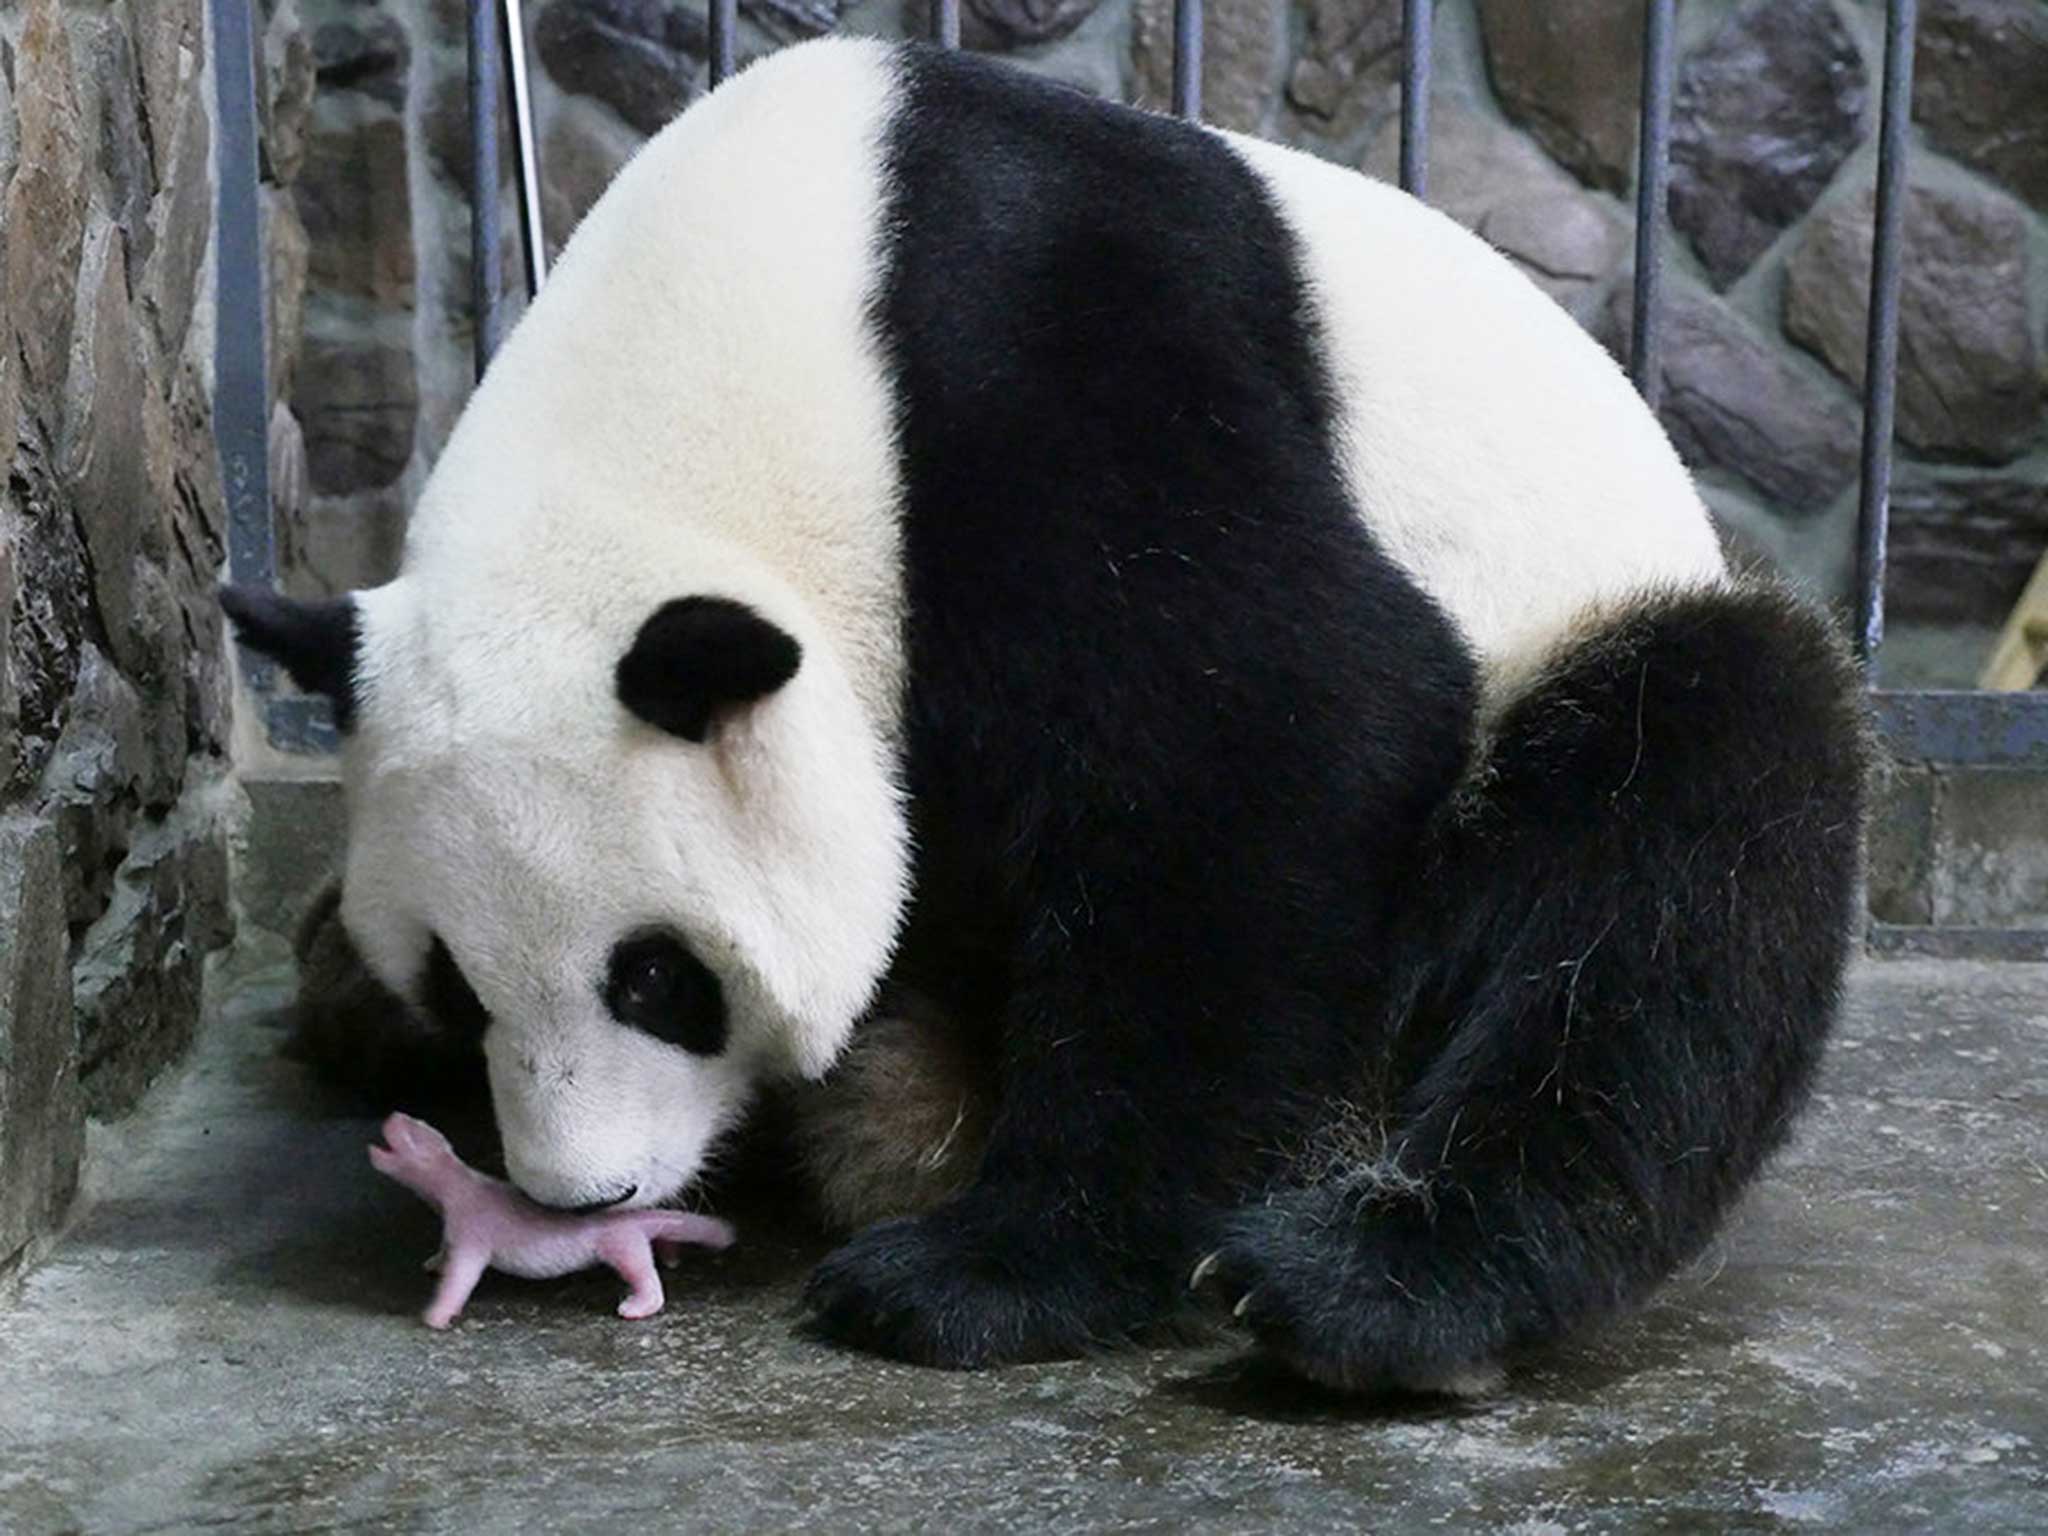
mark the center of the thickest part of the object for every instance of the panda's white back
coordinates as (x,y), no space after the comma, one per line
(1497,452)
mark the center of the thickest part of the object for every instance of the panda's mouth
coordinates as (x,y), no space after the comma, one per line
(593,1207)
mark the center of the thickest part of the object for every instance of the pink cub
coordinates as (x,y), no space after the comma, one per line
(486,1223)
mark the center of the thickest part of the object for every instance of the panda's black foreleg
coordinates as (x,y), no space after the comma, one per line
(1621,971)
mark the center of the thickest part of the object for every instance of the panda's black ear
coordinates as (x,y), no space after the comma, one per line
(313,641)
(696,656)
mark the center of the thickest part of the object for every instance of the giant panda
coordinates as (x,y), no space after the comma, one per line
(1163,676)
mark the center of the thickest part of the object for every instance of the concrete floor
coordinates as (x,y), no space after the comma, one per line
(228,1339)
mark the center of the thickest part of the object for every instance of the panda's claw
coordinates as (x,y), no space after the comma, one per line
(1204,1268)
(1244,1304)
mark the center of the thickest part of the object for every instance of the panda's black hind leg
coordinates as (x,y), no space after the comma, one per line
(1613,989)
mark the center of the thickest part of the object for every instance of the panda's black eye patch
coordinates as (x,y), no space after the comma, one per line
(655,984)
(448,997)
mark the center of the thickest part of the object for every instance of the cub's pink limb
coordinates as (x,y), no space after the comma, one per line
(487,1224)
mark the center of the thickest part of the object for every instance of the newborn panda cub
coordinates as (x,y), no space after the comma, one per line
(1164,680)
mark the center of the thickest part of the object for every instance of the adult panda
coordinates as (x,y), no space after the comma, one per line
(1194,619)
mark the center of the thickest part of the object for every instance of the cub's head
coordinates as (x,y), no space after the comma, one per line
(647,849)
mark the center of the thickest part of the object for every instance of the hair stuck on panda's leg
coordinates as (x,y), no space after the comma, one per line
(363,1042)
(898,1125)
(1614,987)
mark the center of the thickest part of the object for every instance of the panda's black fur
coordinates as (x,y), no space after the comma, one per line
(1419,1015)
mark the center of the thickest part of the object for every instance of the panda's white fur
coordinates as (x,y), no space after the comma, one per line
(735,387)
(695,404)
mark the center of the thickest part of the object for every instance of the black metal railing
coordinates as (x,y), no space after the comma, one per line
(1946,727)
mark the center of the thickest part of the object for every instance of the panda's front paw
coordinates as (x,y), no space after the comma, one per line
(964,1286)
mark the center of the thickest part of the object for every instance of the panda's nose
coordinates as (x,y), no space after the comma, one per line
(591,1207)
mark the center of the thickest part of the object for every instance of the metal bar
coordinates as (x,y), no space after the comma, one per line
(1881,359)
(724,23)
(241,407)
(1983,730)
(1416,16)
(532,233)
(483,178)
(946,23)
(1187,59)
(1653,186)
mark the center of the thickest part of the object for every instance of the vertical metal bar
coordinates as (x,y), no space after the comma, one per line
(241,405)
(946,23)
(1416,16)
(1187,58)
(1653,186)
(724,23)
(1881,359)
(532,235)
(483,177)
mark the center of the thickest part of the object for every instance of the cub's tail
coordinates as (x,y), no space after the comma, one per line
(1612,985)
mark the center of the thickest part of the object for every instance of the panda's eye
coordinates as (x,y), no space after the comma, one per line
(656,985)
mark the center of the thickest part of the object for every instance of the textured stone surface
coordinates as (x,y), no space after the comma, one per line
(1900,855)
(356,205)
(287,98)
(41,1123)
(1734,403)
(358,400)
(1349,65)
(1244,46)
(638,57)
(1004,23)
(1962,548)
(1496,183)
(1766,112)
(182,223)
(46,196)
(791,20)
(230,1338)
(363,50)
(1980,81)
(1970,380)
(1991,851)
(1568,71)
(583,150)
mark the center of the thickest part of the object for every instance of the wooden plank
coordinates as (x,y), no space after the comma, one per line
(2022,649)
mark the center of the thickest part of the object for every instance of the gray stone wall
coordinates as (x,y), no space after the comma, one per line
(1534,110)
(113,683)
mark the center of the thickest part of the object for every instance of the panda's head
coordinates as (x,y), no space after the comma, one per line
(645,847)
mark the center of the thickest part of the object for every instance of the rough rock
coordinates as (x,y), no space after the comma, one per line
(444,131)
(1766,112)
(103,448)
(1497,184)
(10,692)
(10,381)
(1980,81)
(287,96)
(92,788)
(1734,403)
(1008,23)
(169,38)
(122,143)
(583,150)
(181,223)
(1970,382)
(638,57)
(1349,68)
(357,396)
(47,196)
(790,20)
(356,204)
(288,254)
(135,989)
(1961,549)
(366,53)
(1244,50)
(41,1126)
(1570,72)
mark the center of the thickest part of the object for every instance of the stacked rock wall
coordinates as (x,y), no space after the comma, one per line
(1534,146)
(113,680)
